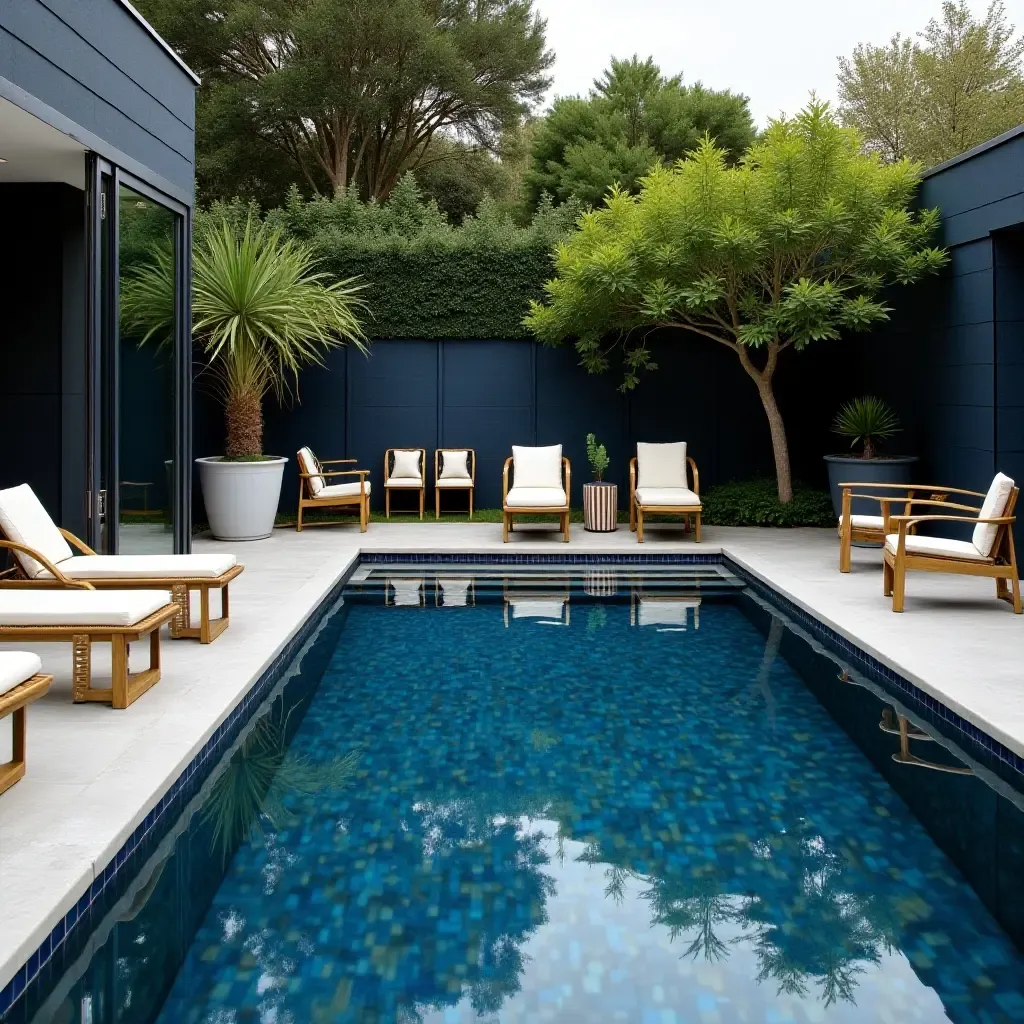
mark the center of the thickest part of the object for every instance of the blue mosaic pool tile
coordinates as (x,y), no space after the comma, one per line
(511,558)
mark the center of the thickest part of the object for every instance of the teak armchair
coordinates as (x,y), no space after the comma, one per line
(401,475)
(43,558)
(452,482)
(316,493)
(21,683)
(989,553)
(658,484)
(543,487)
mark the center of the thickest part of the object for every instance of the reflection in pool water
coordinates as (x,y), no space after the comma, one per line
(644,815)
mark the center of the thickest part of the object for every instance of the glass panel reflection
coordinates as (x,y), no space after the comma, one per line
(146,375)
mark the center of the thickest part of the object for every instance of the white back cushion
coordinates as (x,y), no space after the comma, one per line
(992,507)
(455,465)
(308,463)
(537,467)
(407,464)
(661,465)
(25,521)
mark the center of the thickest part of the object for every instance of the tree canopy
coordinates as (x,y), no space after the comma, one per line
(633,118)
(959,85)
(349,91)
(793,245)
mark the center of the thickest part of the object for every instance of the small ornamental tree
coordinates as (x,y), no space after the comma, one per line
(792,246)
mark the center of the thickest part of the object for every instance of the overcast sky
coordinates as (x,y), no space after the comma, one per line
(774,51)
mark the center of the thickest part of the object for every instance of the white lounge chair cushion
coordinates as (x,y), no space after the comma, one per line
(651,497)
(25,521)
(537,467)
(404,481)
(16,667)
(454,466)
(140,567)
(865,522)
(343,490)
(661,465)
(406,466)
(535,497)
(992,507)
(465,483)
(308,463)
(79,607)
(940,546)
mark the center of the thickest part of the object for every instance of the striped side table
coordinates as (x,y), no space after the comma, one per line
(600,505)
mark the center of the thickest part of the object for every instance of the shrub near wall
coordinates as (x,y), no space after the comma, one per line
(426,278)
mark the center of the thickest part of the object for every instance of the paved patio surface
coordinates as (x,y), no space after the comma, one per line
(94,773)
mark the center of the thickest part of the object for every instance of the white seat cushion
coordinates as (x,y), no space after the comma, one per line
(343,490)
(403,481)
(537,467)
(454,466)
(307,462)
(79,607)
(992,507)
(465,483)
(666,496)
(25,521)
(940,546)
(536,497)
(106,567)
(865,522)
(661,465)
(16,667)
(406,464)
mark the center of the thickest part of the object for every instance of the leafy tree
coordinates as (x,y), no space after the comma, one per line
(962,84)
(633,118)
(351,91)
(792,246)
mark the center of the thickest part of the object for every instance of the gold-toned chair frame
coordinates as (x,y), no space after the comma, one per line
(180,587)
(508,513)
(848,533)
(15,702)
(307,500)
(688,512)
(1000,566)
(471,486)
(389,458)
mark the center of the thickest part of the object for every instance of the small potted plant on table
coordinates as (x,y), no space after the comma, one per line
(600,499)
(866,421)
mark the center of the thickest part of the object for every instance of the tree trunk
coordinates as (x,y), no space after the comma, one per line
(780,446)
(243,418)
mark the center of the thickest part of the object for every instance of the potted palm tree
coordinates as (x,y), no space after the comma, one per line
(261,310)
(867,422)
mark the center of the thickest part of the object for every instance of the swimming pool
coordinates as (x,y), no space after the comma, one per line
(543,793)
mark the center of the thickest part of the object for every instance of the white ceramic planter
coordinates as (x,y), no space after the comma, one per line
(241,497)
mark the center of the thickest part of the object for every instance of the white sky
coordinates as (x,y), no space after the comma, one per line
(774,51)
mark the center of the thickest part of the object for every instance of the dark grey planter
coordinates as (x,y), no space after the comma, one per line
(849,469)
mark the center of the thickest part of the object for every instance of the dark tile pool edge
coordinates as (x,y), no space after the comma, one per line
(166,810)
(537,558)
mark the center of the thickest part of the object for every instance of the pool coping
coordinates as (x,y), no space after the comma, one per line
(178,792)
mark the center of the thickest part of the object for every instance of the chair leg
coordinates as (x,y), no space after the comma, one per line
(298,524)
(504,526)
(471,503)
(696,528)
(632,515)
(845,548)
(204,615)
(886,578)
(565,527)
(437,502)
(387,504)
(423,494)
(899,584)
(364,514)
(639,525)
(14,769)
(119,672)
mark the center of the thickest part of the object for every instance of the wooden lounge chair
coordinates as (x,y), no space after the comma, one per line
(21,682)
(454,470)
(44,559)
(989,552)
(315,492)
(541,485)
(83,616)
(405,469)
(658,484)
(872,529)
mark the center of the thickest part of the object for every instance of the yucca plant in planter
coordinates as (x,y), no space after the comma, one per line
(866,421)
(261,311)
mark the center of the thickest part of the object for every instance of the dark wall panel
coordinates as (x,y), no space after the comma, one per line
(1008,248)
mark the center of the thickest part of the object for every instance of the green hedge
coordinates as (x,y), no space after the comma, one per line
(756,503)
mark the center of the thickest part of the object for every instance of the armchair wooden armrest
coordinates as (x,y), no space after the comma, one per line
(910,487)
(504,480)
(346,472)
(335,462)
(567,469)
(696,475)
(902,522)
(58,576)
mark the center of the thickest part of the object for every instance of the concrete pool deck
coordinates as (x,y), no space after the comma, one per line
(93,774)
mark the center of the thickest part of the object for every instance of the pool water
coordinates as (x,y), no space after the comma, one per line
(534,810)
(567,796)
